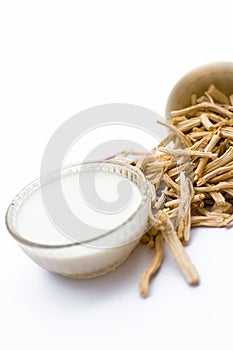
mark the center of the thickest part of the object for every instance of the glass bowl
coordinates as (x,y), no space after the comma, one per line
(83,258)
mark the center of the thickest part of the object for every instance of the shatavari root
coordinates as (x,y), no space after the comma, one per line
(191,181)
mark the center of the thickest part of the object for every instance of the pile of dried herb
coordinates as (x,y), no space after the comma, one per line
(191,178)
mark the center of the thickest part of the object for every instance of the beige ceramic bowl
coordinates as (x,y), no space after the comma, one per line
(197,81)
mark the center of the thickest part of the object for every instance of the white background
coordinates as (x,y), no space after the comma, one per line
(56,59)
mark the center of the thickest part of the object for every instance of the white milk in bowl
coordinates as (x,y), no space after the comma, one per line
(82,221)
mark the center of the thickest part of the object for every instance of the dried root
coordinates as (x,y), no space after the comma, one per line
(191,181)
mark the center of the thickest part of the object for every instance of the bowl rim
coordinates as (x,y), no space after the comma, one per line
(35,186)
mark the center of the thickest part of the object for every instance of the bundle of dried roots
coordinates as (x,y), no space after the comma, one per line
(191,179)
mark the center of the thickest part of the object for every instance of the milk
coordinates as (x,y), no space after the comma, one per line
(35,225)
